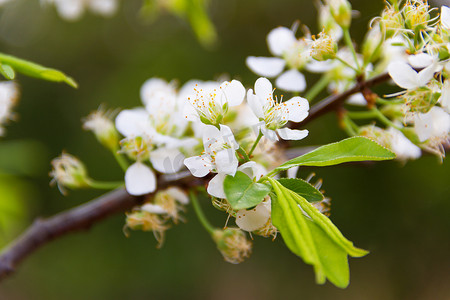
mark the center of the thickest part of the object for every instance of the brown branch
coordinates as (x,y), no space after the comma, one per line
(84,216)
(333,102)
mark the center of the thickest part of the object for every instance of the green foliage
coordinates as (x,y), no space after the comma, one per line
(242,192)
(10,65)
(13,211)
(303,188)
(312,236)
(352,149)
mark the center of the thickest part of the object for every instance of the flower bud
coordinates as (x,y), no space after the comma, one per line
(68,171)
(100,123)
(370,48)
(233,244)
(341,10)
(323,47)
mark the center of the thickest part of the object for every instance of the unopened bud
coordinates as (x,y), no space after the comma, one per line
(233,244)
(69,172)
(341,10)
(370,48)
(323,47)
(100,123)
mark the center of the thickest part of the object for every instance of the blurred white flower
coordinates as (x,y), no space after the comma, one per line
(73,10)
(290,52)
(9,94)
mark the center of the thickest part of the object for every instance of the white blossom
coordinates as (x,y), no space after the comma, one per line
(274,114)
(289,52)
(8,97)
(220,153)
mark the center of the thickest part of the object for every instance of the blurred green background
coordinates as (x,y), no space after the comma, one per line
(400,213)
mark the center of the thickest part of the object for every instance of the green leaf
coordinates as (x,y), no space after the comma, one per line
(242,192)
(34,70)
(7,71)
(352,149)
(303,188)
(332,257)
(325,223)
(308,237)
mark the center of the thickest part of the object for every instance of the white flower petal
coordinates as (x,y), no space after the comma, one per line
(357,99)
(291,81)
(269,134)
(253,170)
(234,92)
(228,136)
(178,194)
(139,179)
(253,219)
(166,160)
(421,60)
(402,146)
(445,17)
(292,134)
(153,209)
(296,109)
(215,186)
(292,172)
(265,66)
(255,104)
(210,135)
(403,75)
(424,76)
(280,39)
(70,10)
(103,7)
(315,66)
(133,122)
(434,123)
(444,100)
(226,161)
(199,166)
(264,90)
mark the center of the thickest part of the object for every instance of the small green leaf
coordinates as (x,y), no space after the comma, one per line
(332,257)
(7,71)
(242,192)
(303,188)
(352,149)
(35,70)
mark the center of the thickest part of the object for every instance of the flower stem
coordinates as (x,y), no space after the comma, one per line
(347,64)
(123,163)
(348,41)
(317,88)
(104,185)
(244,154)
(200,215)
(260,135)
(349,126)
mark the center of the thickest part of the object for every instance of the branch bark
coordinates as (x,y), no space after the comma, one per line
(84,216)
